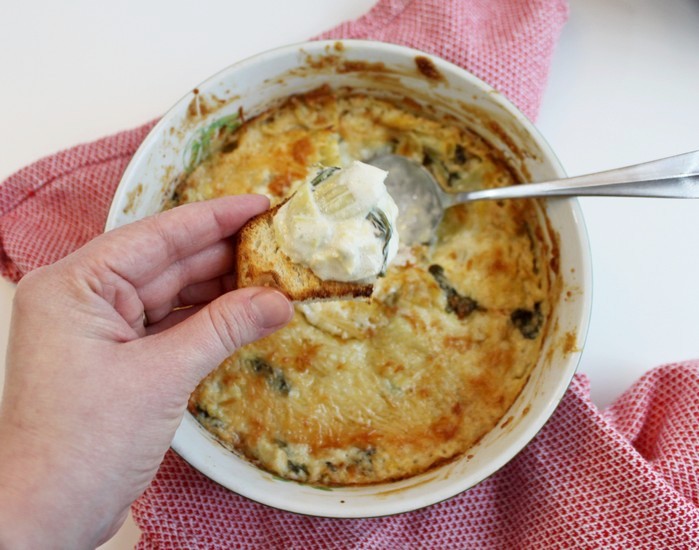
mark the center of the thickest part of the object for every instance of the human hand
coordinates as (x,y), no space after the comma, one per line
(93,392)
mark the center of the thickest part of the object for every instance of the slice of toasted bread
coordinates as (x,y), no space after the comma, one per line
(260,262)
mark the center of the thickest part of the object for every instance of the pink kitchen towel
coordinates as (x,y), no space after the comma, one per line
(626,477)
(57,204)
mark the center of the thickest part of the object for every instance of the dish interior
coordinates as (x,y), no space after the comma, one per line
(188,133)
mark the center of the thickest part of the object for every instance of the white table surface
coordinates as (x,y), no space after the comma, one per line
(624,88)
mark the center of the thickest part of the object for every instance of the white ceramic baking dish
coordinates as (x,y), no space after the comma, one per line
(256,84)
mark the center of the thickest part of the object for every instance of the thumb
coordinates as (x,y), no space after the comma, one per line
(200,343)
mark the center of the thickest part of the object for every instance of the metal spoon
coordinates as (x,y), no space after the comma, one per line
(421,201)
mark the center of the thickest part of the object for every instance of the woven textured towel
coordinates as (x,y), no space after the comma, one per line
(625,478)
(59,203)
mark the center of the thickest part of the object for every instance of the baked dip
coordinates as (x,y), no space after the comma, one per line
(368,391)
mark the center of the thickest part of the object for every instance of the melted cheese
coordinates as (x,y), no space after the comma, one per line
(364,392)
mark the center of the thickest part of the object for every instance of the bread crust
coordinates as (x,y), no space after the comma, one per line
(260,262)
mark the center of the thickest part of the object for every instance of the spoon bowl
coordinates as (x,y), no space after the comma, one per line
(417,194)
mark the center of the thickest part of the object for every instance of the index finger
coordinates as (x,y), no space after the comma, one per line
(141,250)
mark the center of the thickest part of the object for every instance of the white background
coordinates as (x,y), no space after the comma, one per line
(624,88)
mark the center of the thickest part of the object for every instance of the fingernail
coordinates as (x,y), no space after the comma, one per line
(271,308)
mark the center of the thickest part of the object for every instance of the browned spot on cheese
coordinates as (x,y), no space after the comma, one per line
(390,367)
(415,321)
(446,426)
(461,344)
(308,351)
(256,429)
(302,149)
(318,98)
(498,264)
(281,183)
(499,358)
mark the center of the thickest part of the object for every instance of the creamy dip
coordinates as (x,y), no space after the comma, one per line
(355,392)
(340,224)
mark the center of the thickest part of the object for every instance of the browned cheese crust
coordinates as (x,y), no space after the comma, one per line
(367,391)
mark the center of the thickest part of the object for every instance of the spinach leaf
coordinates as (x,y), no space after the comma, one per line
(529,322)
(274,376)
(461,306)
(384,230)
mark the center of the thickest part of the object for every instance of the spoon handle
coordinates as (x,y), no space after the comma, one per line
(672,177)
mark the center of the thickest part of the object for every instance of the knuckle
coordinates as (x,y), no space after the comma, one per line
(29,287)
(233,323)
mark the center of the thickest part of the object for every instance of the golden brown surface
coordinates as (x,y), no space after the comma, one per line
(362,392)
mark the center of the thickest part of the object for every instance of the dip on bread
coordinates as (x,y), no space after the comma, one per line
(340,224)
